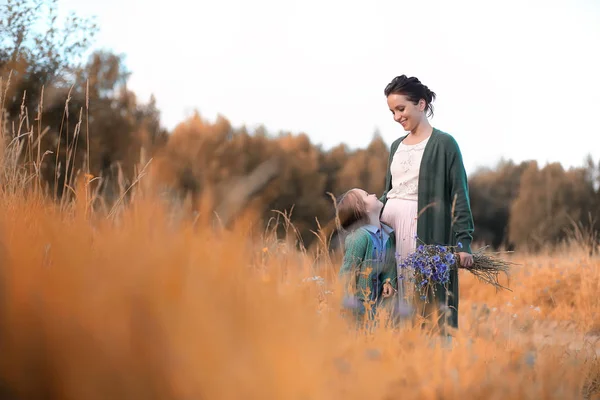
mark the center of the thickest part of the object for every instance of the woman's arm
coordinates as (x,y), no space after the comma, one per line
(462,218)
(388,180)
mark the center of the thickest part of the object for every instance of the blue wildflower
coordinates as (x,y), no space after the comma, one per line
(431,264)
(460,245)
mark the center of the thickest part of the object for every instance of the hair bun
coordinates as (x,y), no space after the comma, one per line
(413,89)
(430,95)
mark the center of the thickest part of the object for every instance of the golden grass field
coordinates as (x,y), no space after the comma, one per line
(146,303)
(148,307)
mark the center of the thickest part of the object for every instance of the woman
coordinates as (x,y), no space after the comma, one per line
(426,193)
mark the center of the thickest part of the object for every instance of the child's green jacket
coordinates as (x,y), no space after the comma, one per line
(366,265)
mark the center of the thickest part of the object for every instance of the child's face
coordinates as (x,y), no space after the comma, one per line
(372,203)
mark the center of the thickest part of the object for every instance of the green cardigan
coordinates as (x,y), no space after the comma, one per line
(362,272)
(443,202)
(442,182)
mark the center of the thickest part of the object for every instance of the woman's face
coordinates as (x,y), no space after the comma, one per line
(406,113)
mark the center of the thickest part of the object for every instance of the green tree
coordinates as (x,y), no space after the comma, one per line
(88,121)
(35,59)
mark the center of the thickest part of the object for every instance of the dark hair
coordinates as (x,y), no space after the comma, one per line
(351,210)
(413,89)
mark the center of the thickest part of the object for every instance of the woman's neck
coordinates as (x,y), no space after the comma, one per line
(422,130)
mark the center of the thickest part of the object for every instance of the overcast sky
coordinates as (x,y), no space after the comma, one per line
(516,79)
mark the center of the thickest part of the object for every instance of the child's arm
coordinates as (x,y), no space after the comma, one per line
(354,253)
(390,274)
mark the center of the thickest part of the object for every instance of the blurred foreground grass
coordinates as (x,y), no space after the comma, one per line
(146,307)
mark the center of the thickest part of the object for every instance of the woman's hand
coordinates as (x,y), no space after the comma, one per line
(466,259)
(388,290)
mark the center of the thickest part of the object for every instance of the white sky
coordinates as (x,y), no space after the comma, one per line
(514,79)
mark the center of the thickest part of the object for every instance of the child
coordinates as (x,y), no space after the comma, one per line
(368,271)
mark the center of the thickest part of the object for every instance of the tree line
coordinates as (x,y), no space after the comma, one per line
(73,115)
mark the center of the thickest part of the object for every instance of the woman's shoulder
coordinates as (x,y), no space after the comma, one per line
(446,139)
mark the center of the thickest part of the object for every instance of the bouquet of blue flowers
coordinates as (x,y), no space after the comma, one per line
(432,264)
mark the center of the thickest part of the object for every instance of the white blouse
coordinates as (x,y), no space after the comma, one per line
(405,171)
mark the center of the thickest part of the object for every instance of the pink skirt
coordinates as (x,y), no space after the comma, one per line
(402,215)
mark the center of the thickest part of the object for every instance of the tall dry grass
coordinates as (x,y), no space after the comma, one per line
(150,309)
(147,306)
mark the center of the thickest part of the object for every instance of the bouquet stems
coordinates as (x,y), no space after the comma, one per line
(487,267)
